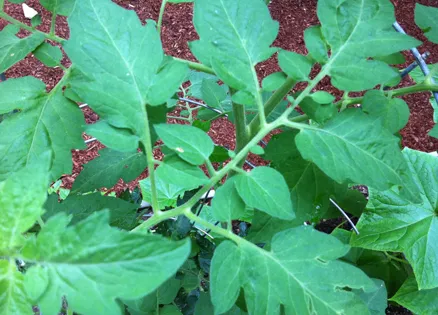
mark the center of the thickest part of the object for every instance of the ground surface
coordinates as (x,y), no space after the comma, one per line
(294,16)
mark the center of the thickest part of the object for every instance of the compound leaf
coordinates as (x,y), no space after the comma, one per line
(120,66)
(123,214)
(48,122)
(108,168)
(234,37)
(424,302)
(392,222)
(92,261)
(426,19)
(265,189)
(356,31)
(301,272)
(347,147)
(190,143)
(14,49)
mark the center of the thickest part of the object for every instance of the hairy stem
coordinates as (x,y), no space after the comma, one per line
(30,29)
(160,17)
(195,65)
(272,102)
(53,24)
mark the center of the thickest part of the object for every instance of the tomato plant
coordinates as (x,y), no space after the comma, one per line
(97,254)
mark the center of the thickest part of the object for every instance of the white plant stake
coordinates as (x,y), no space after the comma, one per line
(29,12)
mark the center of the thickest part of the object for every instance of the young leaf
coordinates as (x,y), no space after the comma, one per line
(393,223)
(301,272)
(318,112)
(426,19)
(120,74)
(322,97)
(315,44)
(424,302)
(91,261)
(14,49)
(190,143)
(60,7)
(13,299)
(265,189)
(108,168)
(234,37)
(356,31)
(349,146)
(392,112)
(227,204)
(49,55)
(49,122)
(295,65)
(310,188)
(122,214)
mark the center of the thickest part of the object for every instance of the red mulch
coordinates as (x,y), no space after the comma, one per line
(294,17)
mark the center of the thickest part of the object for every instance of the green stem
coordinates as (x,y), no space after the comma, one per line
(272,102)
(40,222)
(160,16)
(180,118)
(69,311)
(210,168)
(196,66)
(242,134)
(421,87)
(161,216)
(30,29)
(148,145)
(53,24)
(391,257)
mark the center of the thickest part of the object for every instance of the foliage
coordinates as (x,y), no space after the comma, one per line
(95,253)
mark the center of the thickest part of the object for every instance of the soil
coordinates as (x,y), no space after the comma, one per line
(177,30)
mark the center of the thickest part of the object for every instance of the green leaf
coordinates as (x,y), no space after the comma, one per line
(49,55)
(197,80)
(317,111)
(118,75)
(91,261)
(204,305)
(167,193)
(219,155)
(273,81)
(234,37)
(392,222)
(165,294)
(22,197)
(315,44)
(356,31)
(36,21)
(352,144)
(376,300)
(265,189)
(434,132)
(190,143)
(122,214)
(49,122)
(322,97)
(295,65)
(60,7)
(181,174)
(392,59)
(418,76)
(213,94)
(108,168)
(264,227)
(301,272)
(13,299)
(310,188)
(14,49)
(202,125)
(20,93)
(392,112)
(424,302)
(227,204)
(426,19)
